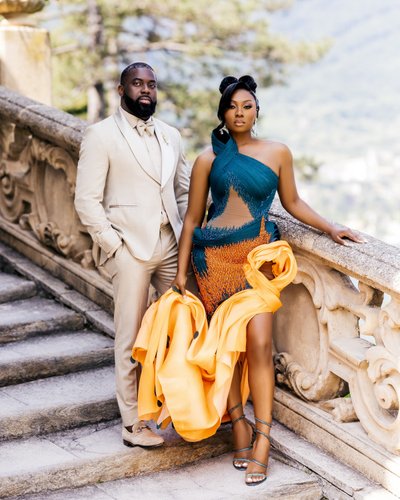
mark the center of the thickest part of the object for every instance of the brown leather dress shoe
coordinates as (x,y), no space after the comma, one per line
(141,435)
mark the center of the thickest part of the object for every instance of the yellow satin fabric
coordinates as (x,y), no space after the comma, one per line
(187,366)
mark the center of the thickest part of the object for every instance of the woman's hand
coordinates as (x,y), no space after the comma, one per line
(338,233)
(266,269)
(179,283)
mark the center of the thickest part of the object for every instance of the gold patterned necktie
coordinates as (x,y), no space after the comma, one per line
(145,127)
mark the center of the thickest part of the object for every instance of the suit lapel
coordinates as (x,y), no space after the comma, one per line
(167,153)
(136,144)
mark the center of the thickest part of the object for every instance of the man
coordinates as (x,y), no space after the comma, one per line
(131,194)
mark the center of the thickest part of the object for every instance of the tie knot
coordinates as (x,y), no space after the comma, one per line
(145,127)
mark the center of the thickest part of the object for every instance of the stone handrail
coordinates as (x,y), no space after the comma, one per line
(45,122)
(339,329)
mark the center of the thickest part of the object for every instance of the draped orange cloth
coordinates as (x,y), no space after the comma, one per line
(188,365)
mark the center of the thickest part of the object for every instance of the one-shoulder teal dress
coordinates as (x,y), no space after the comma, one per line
(187,362)
(242,191)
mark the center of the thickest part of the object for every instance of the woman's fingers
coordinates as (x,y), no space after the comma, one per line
(179,288)
(340,234)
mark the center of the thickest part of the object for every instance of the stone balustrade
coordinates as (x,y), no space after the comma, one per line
(339,330)
(39,151)
(337,334)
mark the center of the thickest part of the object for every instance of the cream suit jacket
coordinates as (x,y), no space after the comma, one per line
(119,195)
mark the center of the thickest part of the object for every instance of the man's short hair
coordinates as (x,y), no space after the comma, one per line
(128,69)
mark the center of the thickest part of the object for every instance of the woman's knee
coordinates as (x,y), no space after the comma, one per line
(259,347)
(259,344)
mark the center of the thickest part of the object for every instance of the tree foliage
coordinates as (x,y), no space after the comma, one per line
(191,44)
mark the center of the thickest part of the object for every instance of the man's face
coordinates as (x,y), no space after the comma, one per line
(139,93)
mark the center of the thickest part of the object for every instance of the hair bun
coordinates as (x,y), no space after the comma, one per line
(249,81)
(228,80)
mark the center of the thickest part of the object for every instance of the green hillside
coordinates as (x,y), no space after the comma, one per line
(344,111)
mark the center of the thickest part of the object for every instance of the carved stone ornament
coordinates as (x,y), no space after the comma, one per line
(311,315)
(375,386)
(342,409)
(14,169)
(37,182)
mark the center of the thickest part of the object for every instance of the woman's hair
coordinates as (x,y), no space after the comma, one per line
(228,86)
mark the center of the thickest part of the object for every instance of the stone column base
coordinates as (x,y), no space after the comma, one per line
(25,61)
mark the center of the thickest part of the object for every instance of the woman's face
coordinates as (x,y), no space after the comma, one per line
(242,113)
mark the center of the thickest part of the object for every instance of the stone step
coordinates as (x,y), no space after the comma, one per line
(57,403)
(91,455)
(210,479)
(53,354)
(339,481)
(23,318)
(98,456)
(13,287)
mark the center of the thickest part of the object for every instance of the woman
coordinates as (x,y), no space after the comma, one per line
(243,173)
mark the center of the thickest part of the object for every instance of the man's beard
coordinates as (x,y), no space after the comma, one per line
(139,109)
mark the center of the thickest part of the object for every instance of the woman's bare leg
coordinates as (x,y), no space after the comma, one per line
(262,384)
(241,430)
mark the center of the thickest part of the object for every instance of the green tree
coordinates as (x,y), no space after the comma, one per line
(192,44)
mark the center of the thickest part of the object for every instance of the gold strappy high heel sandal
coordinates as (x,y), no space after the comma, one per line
(263,476)
(241,463)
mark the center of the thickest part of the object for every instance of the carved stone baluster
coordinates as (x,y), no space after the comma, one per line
(375,387)
(311,317)
(53,218)
(14,171)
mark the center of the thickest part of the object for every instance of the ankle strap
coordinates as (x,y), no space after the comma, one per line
(231,410)
(237,419)
(263,434)
(263,422)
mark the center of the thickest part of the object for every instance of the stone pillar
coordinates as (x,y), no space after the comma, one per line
(25,54)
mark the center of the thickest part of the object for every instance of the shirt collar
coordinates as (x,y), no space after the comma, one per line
(134,120)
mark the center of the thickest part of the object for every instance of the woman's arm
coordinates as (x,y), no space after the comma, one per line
(198,193)
(292,202)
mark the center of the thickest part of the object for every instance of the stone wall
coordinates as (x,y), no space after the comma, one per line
(338,333)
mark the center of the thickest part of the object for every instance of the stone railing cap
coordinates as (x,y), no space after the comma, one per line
(44,121)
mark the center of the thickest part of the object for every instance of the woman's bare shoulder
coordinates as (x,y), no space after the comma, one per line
(207,154)
(205,158)
(278,147)
(279,151)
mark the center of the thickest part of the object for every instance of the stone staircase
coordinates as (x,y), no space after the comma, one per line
(60,426)
(59,420)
